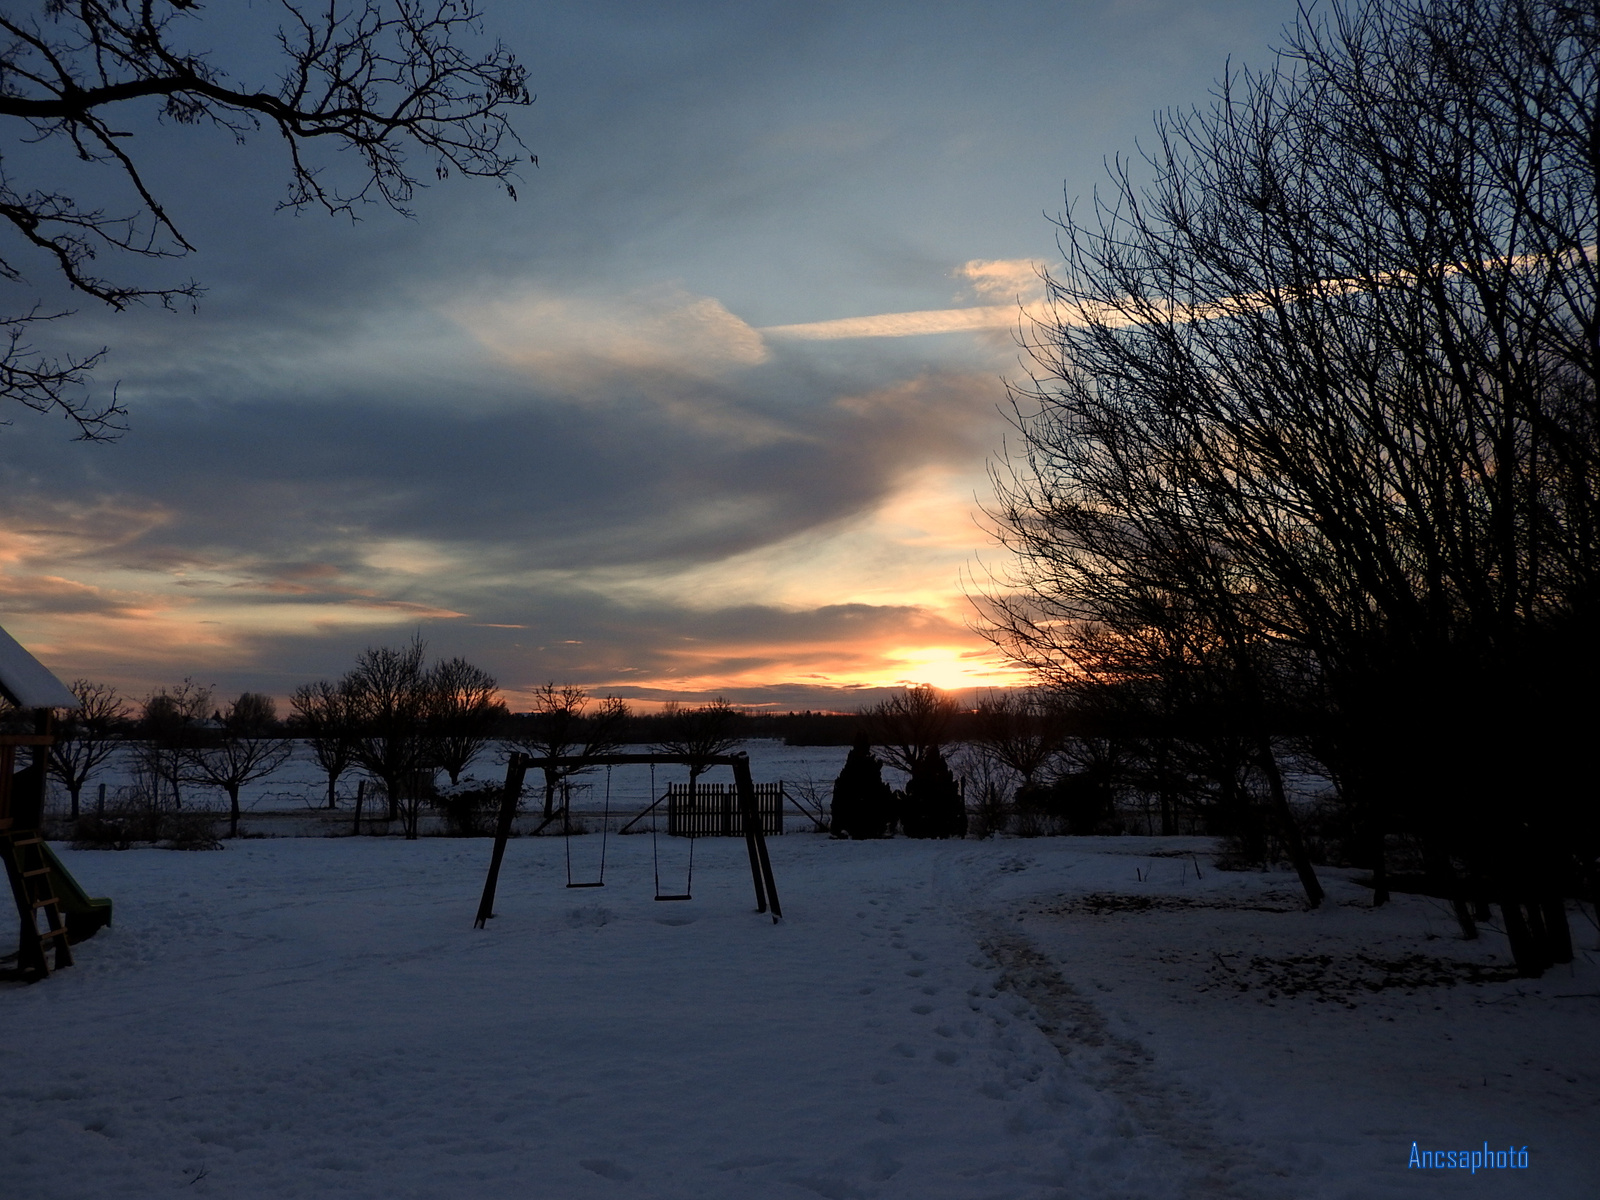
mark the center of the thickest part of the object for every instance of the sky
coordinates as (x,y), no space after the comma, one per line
(708,410)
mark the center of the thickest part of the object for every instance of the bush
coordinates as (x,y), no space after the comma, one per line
(131,823)
(933,805)
(863,804)
(470,810)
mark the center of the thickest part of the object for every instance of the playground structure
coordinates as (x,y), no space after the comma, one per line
(40,885)
(749,820)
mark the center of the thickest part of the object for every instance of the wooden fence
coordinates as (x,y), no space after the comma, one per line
(716,810)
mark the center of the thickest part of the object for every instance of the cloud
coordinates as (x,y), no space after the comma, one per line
(1017,279)
(904,324)
(570,342)
(1014,280)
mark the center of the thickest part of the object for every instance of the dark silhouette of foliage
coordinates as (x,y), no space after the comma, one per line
(390,698)
(699,734)
(169,729)
(907,726)
(863,804)
(933,806)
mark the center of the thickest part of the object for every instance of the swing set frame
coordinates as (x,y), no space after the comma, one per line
(755,841)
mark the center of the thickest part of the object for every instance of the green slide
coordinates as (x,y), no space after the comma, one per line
(85,914)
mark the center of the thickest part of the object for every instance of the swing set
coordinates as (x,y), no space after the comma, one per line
(755,842)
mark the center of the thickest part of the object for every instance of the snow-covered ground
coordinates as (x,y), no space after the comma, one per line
(1012,1018)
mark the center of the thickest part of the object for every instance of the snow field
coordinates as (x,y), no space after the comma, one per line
(308,1017)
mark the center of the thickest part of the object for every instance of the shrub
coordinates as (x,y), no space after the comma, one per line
(471,810)
(133,822)
(863,804)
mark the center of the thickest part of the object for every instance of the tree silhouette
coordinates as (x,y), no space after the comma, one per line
(376,79)
(863,804)
(323,716)
(560,725)
(1314,423)
(87,737)
(248,747)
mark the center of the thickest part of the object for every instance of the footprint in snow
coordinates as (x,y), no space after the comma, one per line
(606,1169)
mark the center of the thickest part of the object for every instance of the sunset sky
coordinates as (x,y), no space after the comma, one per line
(706,411)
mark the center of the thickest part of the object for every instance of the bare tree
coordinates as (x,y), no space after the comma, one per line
(906,728)
(324,718)
(1021,729)
(1316,415)
(169,729)
(465,710)
(560,725)
(699,734)
(390,695)
(248,747)
(87,737)
(373,78)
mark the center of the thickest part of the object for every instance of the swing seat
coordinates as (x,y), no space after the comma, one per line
(685,896)
(573,885)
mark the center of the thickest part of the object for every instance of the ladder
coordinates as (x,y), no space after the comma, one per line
(23,850)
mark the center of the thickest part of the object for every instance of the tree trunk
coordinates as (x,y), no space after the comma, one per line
(73,792)
(1380,863)
(1442,878)
(1557,933)
(1523,951)
(361,794)
(1290,829)
(233,810)
(333,781)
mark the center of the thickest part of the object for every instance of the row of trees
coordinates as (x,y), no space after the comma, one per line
(392,715)
(1037,757)
(1313,441)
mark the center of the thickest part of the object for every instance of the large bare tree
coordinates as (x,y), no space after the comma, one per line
(379,80)
(1315,418)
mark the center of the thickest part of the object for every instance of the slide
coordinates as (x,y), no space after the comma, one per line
(84,914)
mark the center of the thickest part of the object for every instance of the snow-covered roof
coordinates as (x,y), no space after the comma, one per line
(27,682)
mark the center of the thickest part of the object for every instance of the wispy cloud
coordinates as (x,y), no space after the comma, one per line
(1016,280)
(904,324)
